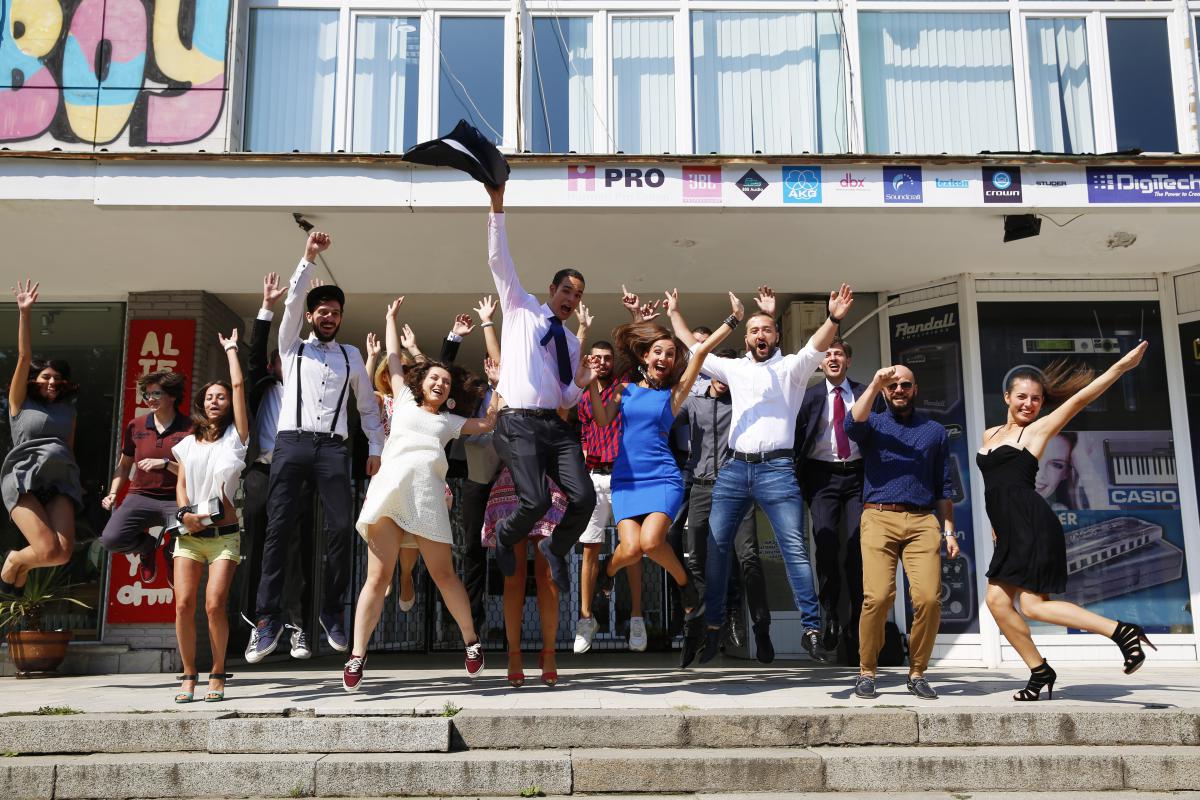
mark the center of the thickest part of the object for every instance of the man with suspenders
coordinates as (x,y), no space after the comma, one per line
(318,376)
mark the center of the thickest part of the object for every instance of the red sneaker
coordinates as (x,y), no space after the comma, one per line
(352,673)
(148,568)
(474,660)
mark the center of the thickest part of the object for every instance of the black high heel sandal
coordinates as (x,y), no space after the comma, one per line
(217,695)
(691,599)
(1042,675)
(1129,638)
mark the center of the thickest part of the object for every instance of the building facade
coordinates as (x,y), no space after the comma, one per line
(1004,182)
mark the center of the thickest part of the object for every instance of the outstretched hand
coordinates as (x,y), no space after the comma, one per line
(671,301)
(408,339)
(26,294)
(491,370)
(374,346)
(630,301)
(648,311)
(766,300)
(486,308)
(463,325)
(585,317)
(588,370)
(229,342)
(840,301)
(315,283)
(272,290)
(394,307)
(735,305)
(1133,357)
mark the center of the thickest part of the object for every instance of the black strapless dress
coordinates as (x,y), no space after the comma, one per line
(1031,551)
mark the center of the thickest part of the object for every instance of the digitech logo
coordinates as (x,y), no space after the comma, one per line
(906,330)
(1125,182)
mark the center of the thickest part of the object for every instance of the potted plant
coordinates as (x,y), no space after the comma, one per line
(32,648)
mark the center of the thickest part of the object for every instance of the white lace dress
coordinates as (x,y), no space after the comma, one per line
(410,486)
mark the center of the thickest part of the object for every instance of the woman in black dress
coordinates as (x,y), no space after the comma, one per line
(1030,560)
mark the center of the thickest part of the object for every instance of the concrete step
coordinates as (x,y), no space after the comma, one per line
(877,770)
(346,732)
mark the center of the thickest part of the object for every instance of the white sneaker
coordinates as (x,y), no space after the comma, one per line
(585,629)
(299,644)
(637,635)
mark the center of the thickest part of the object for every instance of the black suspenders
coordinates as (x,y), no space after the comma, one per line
(337,410)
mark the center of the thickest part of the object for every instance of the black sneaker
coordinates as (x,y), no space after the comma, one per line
(559,571)
(263,639)
(812,645)
(335,631)
(712,644)
(693,640)
(921,688)
(764,649)
(864,687)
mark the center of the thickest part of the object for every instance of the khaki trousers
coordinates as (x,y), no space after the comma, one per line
(915,540)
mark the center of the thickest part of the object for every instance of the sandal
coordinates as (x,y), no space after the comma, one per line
(516,678)
(216,696)
(186,697)
(550,678)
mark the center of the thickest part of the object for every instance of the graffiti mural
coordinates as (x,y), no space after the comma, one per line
(94,71)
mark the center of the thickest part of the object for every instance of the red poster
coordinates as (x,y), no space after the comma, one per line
(153,344)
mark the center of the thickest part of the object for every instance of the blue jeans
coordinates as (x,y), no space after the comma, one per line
(771,484)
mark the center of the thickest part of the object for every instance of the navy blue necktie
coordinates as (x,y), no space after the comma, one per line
(559,335)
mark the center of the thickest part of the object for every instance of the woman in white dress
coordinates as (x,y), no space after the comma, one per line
(210,464)
(405,500)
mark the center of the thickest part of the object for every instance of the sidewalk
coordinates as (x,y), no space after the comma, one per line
(403,683)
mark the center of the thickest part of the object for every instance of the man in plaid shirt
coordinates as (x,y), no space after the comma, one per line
(599,451)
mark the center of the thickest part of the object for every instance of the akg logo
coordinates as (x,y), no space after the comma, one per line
(1002,180)
(801,184)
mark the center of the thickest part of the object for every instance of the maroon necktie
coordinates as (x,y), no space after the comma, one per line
(839,428)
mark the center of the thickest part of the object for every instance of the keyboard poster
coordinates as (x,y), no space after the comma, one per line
(1111,474)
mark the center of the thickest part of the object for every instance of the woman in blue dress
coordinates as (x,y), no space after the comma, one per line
(647,488)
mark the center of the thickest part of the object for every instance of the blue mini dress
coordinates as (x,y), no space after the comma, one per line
(645,478)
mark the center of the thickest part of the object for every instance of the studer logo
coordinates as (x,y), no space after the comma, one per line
(905,330)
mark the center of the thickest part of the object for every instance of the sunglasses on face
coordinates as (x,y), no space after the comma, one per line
(906,385)
(156,395)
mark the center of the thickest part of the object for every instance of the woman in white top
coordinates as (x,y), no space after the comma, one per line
(210,465)
(406,495)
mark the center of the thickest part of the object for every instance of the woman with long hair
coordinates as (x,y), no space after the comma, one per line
(210,463)
(1030,560)
(39,479)
(647,488)
(406,496)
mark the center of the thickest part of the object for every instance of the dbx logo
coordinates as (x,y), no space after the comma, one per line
(632,177)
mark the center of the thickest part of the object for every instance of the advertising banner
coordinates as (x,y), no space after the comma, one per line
(1110,474)
(928,343)
(152,344)
(1133,185)
(1189,347)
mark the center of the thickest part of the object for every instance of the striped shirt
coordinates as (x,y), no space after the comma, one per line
(599,443)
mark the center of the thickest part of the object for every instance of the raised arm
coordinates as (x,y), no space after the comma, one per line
(392,339)
(26,294)
(585,322)
(256,356)
(241,416)
(374,351)
(692,371)
(292,320)
(1046,428)
(602,412)
(485,311)
(460,329)
(504,272)
(861,409)
(839,305)
(408,340)
(487,422)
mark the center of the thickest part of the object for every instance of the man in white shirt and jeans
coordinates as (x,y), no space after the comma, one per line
(319,376)
(538,375)
(766,389)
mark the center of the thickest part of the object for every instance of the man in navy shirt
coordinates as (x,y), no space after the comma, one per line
(906,476)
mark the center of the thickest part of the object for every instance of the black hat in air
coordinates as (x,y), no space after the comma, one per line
(466,149)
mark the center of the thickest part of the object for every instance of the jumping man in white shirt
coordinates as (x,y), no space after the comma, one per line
(539,374)
(766,389)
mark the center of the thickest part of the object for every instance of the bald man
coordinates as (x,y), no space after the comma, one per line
(907,512)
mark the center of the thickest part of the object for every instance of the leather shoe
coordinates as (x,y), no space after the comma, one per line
(693,638)
(812,645)
(558,566)
(735,631)
(712,644)
(506,559)
(829,638)
(921,688)
(864,687)
(764,650)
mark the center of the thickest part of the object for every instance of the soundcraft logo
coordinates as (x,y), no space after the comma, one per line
(905,330)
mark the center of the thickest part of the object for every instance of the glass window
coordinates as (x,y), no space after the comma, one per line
(1060,86)
(471,75)
(386,80)
(937,82)
(1139,63)
(290,91)
(768,82)
(643,85)
(563,106)
(90,338)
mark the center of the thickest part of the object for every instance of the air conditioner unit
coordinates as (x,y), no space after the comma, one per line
(800,322)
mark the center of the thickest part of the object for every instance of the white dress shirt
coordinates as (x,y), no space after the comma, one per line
(528,370)
(766,396)
(824,444)
(322,375)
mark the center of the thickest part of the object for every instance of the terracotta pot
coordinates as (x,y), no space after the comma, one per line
(38,651)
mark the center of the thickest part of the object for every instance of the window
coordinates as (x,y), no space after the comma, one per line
(386,79)
(290,91)
(471,75)
(1060,86)
(563,104)
(937,82)
(1139,64)
(643,84)
(768,82)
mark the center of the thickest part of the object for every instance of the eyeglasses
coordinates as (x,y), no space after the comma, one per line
(155,395)
(906,385)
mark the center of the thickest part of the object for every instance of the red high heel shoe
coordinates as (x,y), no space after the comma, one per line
(516,678)
(549,678)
